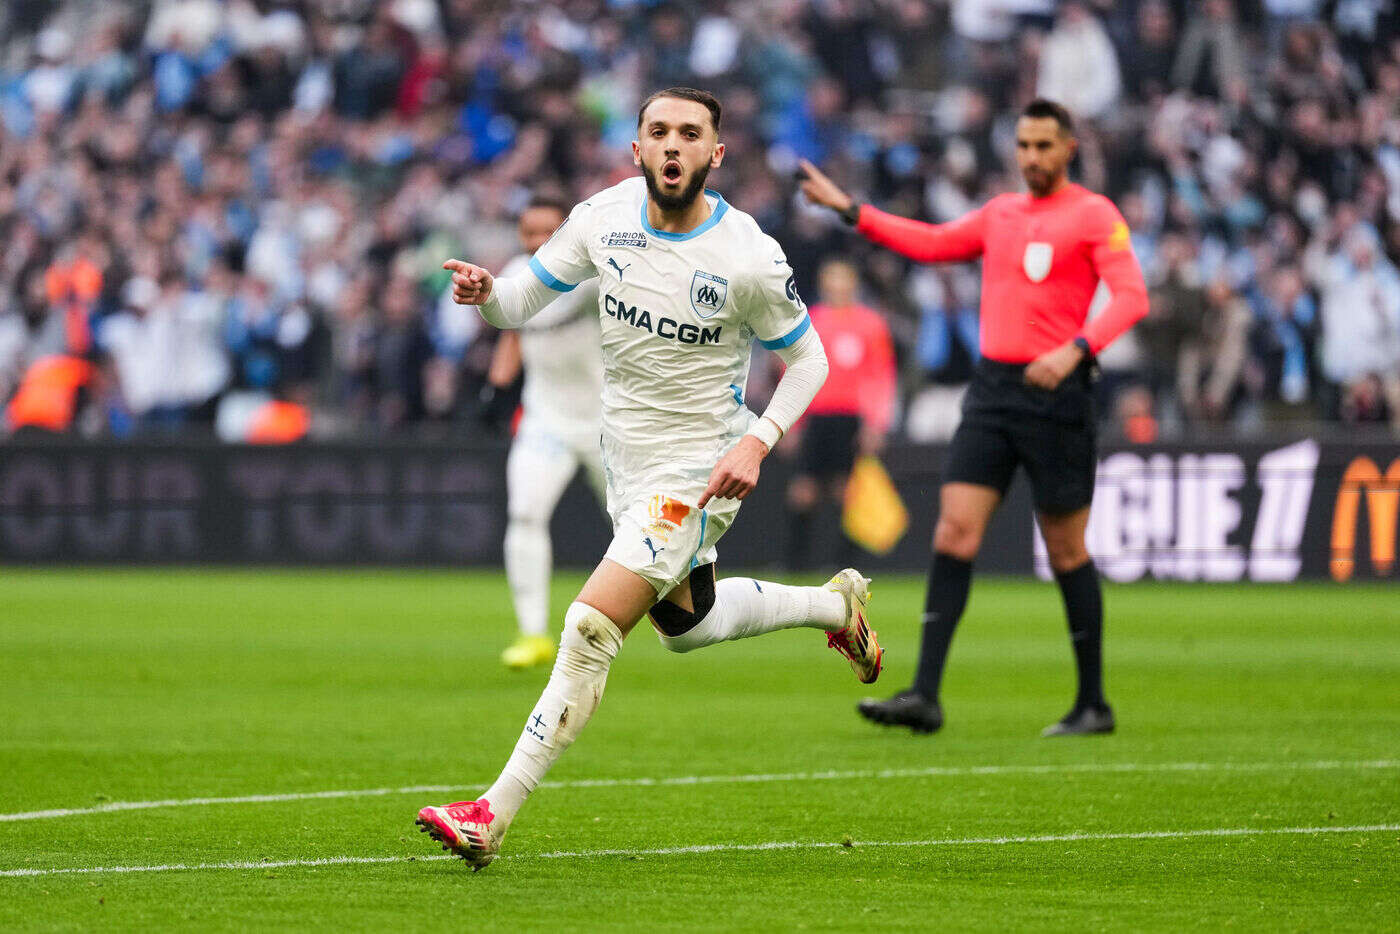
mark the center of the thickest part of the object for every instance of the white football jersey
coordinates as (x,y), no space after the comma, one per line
(563,366)
(679,313)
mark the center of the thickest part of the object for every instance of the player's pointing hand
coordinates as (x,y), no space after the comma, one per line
(736,474)
(471,285)
(821,190)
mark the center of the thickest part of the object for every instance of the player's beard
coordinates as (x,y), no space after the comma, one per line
(687,195)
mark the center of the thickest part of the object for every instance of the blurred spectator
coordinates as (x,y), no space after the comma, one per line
(1150,52)
(367,74)
(1284,334)
(1195,336)
(1211,362)
(1078,66)
(1133,416)
(1210,61)
(401,352)
(287,178)
(1361,325)
(167,349)
(844,38)
(946,348)
(1176,312)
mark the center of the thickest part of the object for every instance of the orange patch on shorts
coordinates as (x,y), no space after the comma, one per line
(671,510)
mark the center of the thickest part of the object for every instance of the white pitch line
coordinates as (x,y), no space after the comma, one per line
(646,782)
(971,841)
(727,848)
(237,864)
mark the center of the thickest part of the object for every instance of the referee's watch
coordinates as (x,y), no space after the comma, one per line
(1083,344)
(852,214)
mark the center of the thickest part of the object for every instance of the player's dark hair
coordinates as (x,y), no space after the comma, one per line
(1041,108)
(550,200)
(686,94)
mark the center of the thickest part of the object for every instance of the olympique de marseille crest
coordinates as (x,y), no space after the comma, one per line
(1036,262)
(707,293)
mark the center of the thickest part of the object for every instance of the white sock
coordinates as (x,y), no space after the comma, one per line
(745,607)
(529,557)
(589,644)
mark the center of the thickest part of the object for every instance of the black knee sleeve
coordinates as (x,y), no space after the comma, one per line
(673,620)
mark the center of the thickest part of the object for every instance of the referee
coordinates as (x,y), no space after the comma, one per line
(1043,254)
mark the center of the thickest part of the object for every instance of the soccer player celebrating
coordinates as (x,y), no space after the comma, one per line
(1043,254)
(686,283)
(558,350)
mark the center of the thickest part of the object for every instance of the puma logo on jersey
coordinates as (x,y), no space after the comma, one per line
(613,263)
(664,328)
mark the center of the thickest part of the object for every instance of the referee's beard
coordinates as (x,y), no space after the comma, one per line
(1041,181)
(676,202)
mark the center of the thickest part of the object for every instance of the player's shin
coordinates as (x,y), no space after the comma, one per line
(589,644)
(746,607)
(528,557)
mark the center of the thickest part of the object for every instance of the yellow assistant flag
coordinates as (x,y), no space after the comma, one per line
(874,516)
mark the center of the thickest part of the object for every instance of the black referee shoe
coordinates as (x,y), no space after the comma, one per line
(1082,721)
(907,708)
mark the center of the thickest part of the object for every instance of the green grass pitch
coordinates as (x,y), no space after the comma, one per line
(1266,710)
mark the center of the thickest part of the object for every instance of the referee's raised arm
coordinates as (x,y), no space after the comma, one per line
(958,241)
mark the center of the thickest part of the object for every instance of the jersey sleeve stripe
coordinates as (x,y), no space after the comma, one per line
(791,337)
(558,285)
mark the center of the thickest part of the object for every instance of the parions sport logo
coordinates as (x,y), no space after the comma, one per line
(1382,497)
(663,327)
(631,238)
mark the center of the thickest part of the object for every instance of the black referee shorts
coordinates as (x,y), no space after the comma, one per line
(829,446)
(1008,423)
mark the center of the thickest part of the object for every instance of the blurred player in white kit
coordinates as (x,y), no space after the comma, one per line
(558,432)
(686,283)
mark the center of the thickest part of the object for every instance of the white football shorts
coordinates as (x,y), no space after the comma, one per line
(541,463)
(659,532)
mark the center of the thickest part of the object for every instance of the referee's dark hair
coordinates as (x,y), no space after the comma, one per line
(686,94)
(1041,108)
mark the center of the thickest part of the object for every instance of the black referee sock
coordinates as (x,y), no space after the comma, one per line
(1084,608)
(949,579)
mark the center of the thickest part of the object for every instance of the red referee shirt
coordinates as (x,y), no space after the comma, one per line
(860,357)
(1042,259)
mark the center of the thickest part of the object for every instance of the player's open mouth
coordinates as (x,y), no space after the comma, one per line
(671,171)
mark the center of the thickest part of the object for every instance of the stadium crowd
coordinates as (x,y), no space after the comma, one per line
(231,213)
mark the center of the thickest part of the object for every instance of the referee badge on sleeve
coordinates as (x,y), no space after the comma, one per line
(1036,261)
